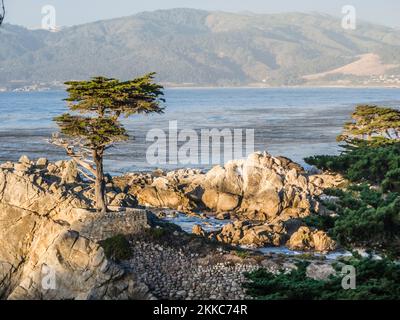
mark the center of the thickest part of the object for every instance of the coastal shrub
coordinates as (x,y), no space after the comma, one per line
(392,181)
(371,122)
(364,217)
(320,222)
(378,165)
(375,280)
(242,254)
(117,248)
(156,233)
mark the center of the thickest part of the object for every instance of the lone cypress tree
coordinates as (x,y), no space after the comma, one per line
(104,101)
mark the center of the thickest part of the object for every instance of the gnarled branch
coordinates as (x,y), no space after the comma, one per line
(79,157)
(3,12)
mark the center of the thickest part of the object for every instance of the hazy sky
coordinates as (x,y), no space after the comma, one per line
(71,12)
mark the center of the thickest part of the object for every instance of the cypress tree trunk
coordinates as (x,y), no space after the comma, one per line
(100,188)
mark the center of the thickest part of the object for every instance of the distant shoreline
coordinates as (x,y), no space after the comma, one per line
(180,87)
(282,87)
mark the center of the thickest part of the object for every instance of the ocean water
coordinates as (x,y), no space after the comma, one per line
(295,123)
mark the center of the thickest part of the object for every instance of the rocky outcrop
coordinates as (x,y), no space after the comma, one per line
(268,195)
(307,239)
(198,230)
(261,187)
(45,250)
(250,234)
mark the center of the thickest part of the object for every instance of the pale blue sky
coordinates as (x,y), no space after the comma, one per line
(71,12)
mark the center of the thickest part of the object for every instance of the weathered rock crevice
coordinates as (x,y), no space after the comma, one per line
(48,238)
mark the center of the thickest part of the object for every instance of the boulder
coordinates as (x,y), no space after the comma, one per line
(252,235)
(301,240)
(153,196)
(24,159)
(320,271)
(306,239)
(220,202)
(42,162)
(322,242)
(261,187)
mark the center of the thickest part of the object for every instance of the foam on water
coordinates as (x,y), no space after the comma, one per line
(211,224)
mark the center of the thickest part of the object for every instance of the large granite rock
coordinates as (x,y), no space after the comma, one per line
(307,239)
(251,234)
(48,238)
(261,187)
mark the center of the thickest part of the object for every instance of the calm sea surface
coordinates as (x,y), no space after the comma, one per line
(295,123)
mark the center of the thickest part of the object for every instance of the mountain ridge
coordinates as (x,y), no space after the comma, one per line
(192,47)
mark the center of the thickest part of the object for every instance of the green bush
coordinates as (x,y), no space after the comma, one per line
(365,163)
(117,248)
(375,280)
(157,233)
(368,217)
(364,217)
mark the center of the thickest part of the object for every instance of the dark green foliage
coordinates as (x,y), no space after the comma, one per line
(372,121)
(392,181)
(157,233)
(320,222)
(112,98)
(364,217)
(369,218)
(375,280)
(103,101)
(117,248)
(366,163)
(98,131)
(106,100)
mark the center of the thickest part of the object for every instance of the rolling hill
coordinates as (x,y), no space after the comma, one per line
(195,47)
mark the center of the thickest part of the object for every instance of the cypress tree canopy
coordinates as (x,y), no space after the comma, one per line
(372,122)
(111,97)
(96,106)
(106,100)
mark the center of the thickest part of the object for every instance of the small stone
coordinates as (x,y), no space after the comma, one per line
(78,189)
(24,159)
(223,216)
(198,230)
(181,293)
(42,162)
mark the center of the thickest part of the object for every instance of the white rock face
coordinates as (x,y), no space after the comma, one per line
(260,187)
(41,255)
